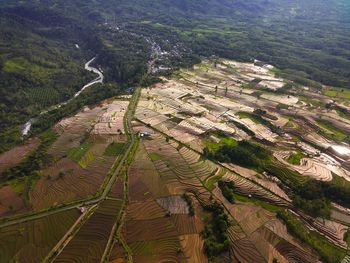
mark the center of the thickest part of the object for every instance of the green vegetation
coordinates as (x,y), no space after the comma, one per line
(114,149)
(227,189)
(296,157)
(223,140)
(155,156)
(189,202)
(311,196)
(210,183)
(266,205)
(282,106)
(328,252)
(329,130)
(176,119)
(287,176)
(313,102)
(243,128)
(77,153)
(242,153)
(258,119)
(37,159)
(215,236)
(40,65)
(89,97)
(337,92)
(315,207)
(248,115)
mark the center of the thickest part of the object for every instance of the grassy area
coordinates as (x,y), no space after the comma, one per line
(256,118)
(176,119)
(289,177)
(313,102)
(268,206)
(282,106)
(114,149)
(209,184)
(213,146)
(77,153)
(155,156)
(86,159)
(332,131)
(328,252)
(247,115)
(296,157)
(19,184)
(34,161)
(337,92)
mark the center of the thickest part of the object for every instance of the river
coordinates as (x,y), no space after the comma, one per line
(27,126)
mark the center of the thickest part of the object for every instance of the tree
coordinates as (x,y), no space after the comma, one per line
(61,174)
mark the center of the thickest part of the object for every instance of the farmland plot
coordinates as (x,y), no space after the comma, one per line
(89,243)
(32,241)
(83,156)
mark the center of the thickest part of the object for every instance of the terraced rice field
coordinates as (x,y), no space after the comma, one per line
(80,170)
(16,155)
(92,235)
(30,242)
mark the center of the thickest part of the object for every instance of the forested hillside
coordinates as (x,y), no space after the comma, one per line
(40,64)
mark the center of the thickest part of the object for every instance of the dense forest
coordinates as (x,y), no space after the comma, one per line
(41,65)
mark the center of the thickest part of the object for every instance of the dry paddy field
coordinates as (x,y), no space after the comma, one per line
(207,98)
(30,242)
(14,156)
(89,243)
(154,234)
(82,158)
(196,103)
(258,236)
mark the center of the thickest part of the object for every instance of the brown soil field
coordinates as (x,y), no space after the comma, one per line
(144,180)
(185,224)
(117,189)
(174,204)
(160,250)
(144,210)
(16,155)
(10,202)
(89,243)
(117,254)
(151,229)
(246,252)
(193,248)
(76,183)
(30,242)
(80,179)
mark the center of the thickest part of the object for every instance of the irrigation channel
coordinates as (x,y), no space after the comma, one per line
(27,126)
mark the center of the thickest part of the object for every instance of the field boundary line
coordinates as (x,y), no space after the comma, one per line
(215,162)
(69,235)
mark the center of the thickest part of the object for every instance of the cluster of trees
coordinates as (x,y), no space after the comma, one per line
(244,153)
(315,207)
(40,65)
(90,97)
(215,236)
(227,189)
(189,202)
(311,196)
(37,159)
(329,253)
